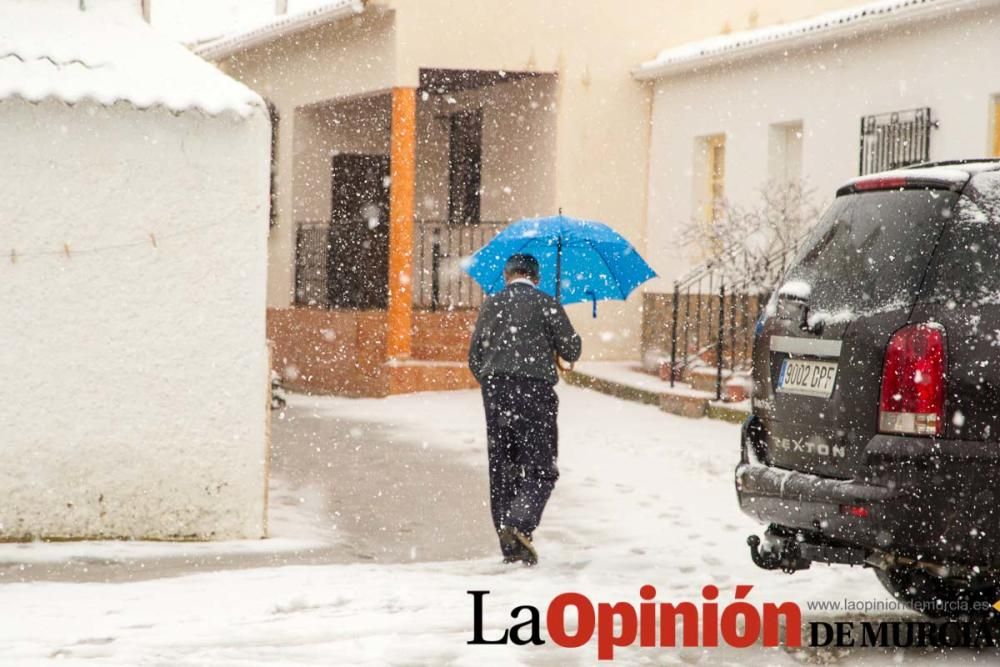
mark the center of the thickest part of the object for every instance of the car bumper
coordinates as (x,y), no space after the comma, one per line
(920,498)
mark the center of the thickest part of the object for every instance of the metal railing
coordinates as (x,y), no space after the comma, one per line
(897,139)
(438,250)
(714,310)
(312,246)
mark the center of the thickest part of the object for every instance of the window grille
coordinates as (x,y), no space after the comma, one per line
(896,139)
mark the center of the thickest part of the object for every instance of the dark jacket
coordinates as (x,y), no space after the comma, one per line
(519,332)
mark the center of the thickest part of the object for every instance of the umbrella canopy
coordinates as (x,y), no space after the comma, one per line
(580,260)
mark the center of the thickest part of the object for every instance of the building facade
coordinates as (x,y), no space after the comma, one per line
(410,131)
(813,102)
(822,101)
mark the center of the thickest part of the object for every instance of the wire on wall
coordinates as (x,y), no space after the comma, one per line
(152,239)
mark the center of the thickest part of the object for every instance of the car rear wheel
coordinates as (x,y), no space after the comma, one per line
(940,598)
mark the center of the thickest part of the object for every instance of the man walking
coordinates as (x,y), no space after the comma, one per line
(519,333)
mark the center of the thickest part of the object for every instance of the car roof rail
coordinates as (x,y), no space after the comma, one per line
(950,174)
(993,162)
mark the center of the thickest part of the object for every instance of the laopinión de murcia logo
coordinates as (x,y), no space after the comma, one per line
(708,622)
(573,620)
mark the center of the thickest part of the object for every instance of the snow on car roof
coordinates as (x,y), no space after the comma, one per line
(955,174)
(824,26)
(973,166)
(50,49)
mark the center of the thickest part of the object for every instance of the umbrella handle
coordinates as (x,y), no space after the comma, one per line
(561,365)
(593,298)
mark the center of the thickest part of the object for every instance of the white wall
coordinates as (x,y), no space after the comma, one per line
(946,65)
(341,60)
(136,377)
(360,125)
(518,160)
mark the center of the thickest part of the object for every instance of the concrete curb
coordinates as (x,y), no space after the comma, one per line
(678,403)
(622,391)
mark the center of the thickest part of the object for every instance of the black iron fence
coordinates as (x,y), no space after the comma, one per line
(312,247)
(897,139)
(714,309)
(439,247)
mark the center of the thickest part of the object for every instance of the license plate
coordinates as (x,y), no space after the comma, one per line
(810,378)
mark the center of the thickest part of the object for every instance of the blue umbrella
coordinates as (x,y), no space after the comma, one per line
(581,260)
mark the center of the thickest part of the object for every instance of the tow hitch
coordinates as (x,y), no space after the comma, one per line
(783,555)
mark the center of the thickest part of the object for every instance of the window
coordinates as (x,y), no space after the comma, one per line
(715,153)
(896,139)
(871,250)
(966,264)
(784,155)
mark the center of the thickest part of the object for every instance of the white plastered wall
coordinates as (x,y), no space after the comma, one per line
(358,125)
(518,160)
(827,88)
(137,375)
(350,58)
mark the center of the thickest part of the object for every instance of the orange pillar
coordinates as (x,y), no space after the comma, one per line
(402,172)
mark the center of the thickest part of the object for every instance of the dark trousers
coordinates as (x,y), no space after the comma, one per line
(523,445)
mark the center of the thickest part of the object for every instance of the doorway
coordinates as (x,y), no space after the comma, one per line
(465,164)
(358,259)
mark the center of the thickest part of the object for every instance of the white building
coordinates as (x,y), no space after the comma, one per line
(134,194)
(798,101)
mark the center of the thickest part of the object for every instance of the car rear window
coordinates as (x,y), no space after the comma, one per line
(870,250)
(966,266)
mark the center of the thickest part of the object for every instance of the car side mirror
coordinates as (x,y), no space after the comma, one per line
(790,308)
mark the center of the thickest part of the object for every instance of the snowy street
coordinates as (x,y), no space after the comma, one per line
(273,269)
(381,526)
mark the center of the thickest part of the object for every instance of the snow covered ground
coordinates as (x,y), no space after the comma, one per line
(644,498)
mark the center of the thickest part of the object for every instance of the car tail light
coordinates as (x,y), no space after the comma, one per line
(913,378)
(857,511)
(881,183)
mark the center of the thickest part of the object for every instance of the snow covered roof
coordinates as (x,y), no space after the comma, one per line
(279,27)
(841,23)
(49,49)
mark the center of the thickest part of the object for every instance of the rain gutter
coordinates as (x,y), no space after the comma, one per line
(277,28)
(798,35)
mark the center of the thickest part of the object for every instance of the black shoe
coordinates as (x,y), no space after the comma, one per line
(508,545)
(517,546)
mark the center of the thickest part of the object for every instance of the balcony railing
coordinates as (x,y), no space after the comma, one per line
(438,250)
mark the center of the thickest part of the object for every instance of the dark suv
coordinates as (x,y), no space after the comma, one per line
(875,433)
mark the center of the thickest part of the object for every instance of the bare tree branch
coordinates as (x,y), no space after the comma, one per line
(749,246)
